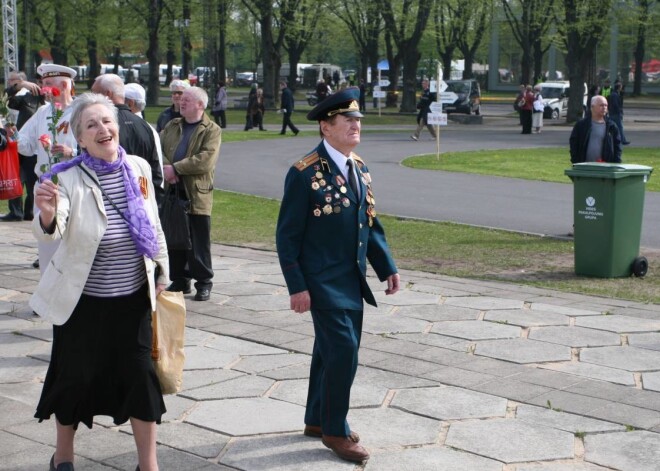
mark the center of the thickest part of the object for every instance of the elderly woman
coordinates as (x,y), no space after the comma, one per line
(100,287)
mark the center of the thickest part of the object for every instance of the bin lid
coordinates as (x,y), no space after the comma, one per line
(607,170)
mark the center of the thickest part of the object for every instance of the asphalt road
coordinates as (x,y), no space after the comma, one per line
(259,167)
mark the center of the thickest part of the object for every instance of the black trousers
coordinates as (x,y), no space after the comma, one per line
(194,263)
(526,117)
(286,121)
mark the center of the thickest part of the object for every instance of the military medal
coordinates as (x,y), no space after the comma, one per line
(317,212)
(343,189)
(346,202)
(315,186)
(322,181)
(327,209)
(144,187)
(328,198)
(318,175)
(329,187)
(337,209)
(336,195)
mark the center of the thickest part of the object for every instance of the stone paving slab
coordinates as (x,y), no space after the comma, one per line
(620,324)
(557,308)
(574,336)
(624,358)
(562,421)
(476,330)
(449,403)
(527,317)
(650,340)
(631,451)
(383,428)
(230,417)
(523,351)
(563,466)
(436,313)
(511,440)
(430,458)
(651,381)
(484,303)
(586,370)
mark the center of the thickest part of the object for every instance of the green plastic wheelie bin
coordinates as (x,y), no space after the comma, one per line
(608,203)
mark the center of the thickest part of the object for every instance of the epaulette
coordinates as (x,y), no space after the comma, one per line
(305,162)
(358,160)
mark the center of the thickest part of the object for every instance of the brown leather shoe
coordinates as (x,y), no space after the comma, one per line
(345,448)
(315,431)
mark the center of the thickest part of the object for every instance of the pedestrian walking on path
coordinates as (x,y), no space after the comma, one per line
(424,107)
(326,218)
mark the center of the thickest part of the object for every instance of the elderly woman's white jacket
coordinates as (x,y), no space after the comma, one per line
(81,223)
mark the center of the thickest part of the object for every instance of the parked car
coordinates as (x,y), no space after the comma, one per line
(555,98)
(461,96)
(244,79)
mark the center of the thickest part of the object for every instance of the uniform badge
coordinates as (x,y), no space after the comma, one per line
(315,186)
(144,187)
(329,187)
(327,209)
(317,212)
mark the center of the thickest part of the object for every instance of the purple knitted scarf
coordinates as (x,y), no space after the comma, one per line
(141,228)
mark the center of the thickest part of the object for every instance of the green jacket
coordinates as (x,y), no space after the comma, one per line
(197,168)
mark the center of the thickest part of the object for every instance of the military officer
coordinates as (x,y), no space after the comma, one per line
(326,230)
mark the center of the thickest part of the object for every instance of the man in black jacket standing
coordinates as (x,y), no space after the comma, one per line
(424,107)
(24,97)
(135,134)
(286,107)
(596,138)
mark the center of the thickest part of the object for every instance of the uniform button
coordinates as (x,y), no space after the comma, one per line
(358,261)
(360,225)
(360,244)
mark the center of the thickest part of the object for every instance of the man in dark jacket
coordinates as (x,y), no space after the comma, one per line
(596,139)
(24,97)
(176,88)
(135,134)
(286,107)
(326,231)
(424,107)
(615,106)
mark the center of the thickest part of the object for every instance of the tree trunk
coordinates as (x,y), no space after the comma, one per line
(409,98)
(58,48)
(640,46)
(271,60)
(153,22)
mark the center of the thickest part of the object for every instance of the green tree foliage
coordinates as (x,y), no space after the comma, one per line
(583,26)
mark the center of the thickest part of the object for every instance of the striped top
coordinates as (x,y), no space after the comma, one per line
(118,269)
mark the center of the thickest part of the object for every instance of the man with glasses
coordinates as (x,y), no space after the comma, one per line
(176,88)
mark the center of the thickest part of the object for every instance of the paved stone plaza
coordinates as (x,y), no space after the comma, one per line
(455,375)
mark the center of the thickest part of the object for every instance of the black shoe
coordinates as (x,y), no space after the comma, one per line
(68,466)
(625,143)
(295,133)
(262,129)
(203,294)
(28,217)
(35,264)
(183,286)
(10,218)
(283,134)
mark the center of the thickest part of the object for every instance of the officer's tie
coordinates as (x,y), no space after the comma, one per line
(351,177)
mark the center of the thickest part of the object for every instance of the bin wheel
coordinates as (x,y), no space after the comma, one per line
(640,266)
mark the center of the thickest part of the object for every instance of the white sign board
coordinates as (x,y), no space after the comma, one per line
(433,86)
(379,94)
(443,86)
(448,97)
(436,119)
(383,83)
(436,107)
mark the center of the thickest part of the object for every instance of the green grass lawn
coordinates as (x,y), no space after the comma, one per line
(448,249)
(546,164)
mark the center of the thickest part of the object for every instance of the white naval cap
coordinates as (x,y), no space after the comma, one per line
(54,70)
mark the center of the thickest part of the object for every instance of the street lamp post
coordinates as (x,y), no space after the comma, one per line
(183,26)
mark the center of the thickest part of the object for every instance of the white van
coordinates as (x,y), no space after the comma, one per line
(555,98)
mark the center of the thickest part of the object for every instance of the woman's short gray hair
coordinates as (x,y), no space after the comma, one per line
(84,101)
(175,84)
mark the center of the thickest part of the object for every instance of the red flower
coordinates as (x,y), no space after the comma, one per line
(44,139)
(56,91)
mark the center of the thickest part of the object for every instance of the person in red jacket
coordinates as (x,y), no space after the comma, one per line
(526,110)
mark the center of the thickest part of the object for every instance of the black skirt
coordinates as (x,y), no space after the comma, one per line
(101,364)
